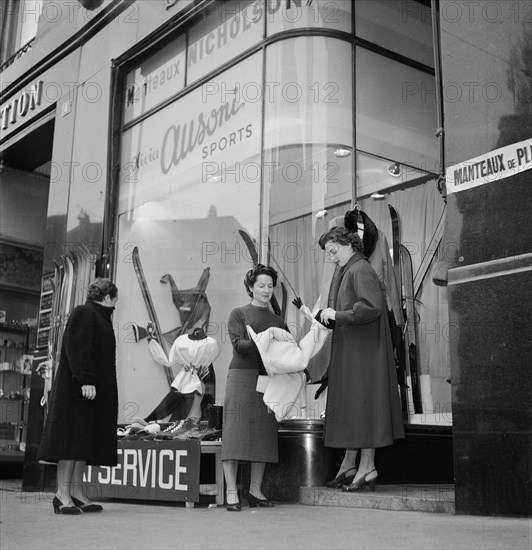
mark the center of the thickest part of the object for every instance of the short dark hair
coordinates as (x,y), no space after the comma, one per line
(252,275)
(343,236)
(100,288)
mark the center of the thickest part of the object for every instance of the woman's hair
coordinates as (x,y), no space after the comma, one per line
(343,236)
(252,275)
(100,288)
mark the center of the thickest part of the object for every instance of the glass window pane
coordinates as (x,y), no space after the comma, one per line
(308,117)
(227,29)
(31,11)
(155,80)
(284,15)
(375,175)
(402,27)
(396,111)
(190,181)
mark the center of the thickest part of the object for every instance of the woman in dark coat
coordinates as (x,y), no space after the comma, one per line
(249,429)
(363,409)
(81,423)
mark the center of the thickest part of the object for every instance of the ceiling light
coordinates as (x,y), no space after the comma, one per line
(377,196)
(342,152)
(394,170)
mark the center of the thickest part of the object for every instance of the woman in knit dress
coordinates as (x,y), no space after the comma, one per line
(249,429)
(81,423)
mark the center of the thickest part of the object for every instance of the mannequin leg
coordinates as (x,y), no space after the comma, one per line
(195,410)
(230,473)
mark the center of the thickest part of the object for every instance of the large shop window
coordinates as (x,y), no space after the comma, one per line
(307,120)
(397,165)
(190,183)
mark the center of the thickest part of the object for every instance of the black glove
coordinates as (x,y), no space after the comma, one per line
(298,302)
(321,389)
(330,324)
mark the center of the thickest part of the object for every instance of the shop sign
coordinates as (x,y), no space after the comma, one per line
(160,77)
(19,107)
(494,166)
(151,470)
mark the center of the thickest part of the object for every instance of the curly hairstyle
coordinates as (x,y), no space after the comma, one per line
(100,288)
(343,236)
(252,275)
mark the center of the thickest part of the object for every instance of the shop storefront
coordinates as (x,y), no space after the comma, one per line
(243,124)
(187,141)
(239,133)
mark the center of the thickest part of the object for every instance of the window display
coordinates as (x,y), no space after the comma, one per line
(190,182)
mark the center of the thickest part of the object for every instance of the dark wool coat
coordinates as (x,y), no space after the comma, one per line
(363,408)
(77,428)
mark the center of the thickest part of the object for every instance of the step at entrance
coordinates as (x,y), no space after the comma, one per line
(418,498)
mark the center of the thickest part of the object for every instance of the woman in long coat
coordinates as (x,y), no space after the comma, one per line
(363,409)
(81,423)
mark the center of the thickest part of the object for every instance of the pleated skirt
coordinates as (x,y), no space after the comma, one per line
(250,431)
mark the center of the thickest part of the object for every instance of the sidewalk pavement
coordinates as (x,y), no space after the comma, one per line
(28,522)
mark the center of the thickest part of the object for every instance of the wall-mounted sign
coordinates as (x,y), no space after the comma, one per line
(19,107)
(490,167)
(151,470)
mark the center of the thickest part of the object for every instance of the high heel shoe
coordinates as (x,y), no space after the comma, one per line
(88,506)
(60,508)
(236,507)
(262,502)
(361,481)
(342,479)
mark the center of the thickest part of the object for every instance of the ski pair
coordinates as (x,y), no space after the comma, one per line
(405,340)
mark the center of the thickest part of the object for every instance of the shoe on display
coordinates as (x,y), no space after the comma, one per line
(188,425)
(122,432)
(168,433)
(152,428)
(210,434)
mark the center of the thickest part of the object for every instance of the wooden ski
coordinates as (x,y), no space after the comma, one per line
(411,327)
(396,329)
(151,309)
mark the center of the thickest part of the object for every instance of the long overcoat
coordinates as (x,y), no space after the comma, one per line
(77,428)
(363,408)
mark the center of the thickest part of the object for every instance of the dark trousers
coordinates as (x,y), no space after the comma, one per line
(174,403)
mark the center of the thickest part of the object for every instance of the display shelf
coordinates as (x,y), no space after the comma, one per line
(13,381)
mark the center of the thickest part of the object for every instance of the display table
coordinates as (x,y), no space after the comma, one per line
(156,470)
(214,447)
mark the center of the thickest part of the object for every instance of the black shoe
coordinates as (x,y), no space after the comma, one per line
(60,508)
(87,507)
(360,482)
(342,479)
(236,507)
(262,502)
